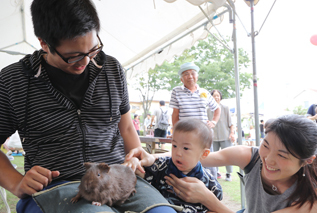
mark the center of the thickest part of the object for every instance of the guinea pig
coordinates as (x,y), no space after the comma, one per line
(103,184)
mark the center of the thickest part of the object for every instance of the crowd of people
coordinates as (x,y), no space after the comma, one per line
(76,109)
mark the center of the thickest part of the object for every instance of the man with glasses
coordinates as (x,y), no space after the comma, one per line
(191,101)
(70,104)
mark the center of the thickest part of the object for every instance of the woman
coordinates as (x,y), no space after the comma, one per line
(136,124)
(283,179)
(223,131)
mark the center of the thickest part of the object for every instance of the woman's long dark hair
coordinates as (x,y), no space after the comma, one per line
(299,136)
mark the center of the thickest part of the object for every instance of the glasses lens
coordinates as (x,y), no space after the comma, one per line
(94,52)
(75,59)
(80,57)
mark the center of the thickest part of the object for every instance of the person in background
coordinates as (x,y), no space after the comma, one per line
(147,123)
(223,131)
(191,101)
(160,130)
(312,113)
(136,123)
(190,144)
(262,129)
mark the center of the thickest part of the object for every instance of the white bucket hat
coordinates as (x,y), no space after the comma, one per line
(188,66)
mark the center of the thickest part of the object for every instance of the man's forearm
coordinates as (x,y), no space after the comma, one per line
(9,176)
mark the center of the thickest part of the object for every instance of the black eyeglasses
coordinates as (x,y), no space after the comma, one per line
(74,59)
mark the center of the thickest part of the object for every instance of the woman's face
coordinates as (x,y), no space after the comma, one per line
(216,96)
(278,163)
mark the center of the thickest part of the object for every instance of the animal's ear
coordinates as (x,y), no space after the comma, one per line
(104,167)
(87,165)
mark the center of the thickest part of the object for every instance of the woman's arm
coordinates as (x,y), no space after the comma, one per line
(303,209)
(235,155)
(193,190)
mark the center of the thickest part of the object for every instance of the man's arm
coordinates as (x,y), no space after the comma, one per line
(128,133)
(152,120)
(175,116)
(216,115)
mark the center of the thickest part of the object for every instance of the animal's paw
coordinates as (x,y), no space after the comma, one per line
(96,203)
(74,200)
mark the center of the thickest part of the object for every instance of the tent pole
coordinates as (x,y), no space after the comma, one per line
(237,83)
(255,81)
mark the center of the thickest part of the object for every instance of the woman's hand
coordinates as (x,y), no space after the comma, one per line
(145,158)
(188,189)
(192,190)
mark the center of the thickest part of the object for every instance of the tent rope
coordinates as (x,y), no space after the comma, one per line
(256,32)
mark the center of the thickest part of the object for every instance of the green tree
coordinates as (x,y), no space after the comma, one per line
(299,110)
(216,71)
(147,85)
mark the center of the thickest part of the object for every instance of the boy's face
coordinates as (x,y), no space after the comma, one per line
(70,48)
(186,150)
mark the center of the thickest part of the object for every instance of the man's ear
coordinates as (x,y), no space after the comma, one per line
(43,45)
(205,153)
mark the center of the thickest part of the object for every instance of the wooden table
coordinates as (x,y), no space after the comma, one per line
(150,143)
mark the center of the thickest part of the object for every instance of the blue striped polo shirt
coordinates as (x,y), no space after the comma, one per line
(194,104)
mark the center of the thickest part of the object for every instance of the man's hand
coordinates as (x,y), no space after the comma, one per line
(210,124)
(35,180)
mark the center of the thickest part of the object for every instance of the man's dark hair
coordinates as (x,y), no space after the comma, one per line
(162,103)
(56,20)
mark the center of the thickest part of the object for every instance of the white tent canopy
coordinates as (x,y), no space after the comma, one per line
(132,31)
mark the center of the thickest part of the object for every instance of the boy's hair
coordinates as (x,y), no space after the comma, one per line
(135,115)
(56,20)
(200,128)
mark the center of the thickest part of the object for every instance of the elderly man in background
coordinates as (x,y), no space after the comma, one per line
(191,101)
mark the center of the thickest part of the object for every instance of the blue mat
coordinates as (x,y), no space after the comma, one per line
(16,154)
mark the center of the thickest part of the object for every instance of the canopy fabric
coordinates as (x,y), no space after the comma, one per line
(131,30)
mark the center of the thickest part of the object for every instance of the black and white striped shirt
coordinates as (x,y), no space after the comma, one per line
(58,135)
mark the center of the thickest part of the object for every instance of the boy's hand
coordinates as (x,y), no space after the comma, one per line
(135,165)
(145,158)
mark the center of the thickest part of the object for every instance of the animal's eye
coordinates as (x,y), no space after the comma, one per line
(98,174)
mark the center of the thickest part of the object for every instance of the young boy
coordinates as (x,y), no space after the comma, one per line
(191,142)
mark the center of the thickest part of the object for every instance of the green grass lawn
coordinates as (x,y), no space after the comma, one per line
(230,189)
(12,199)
